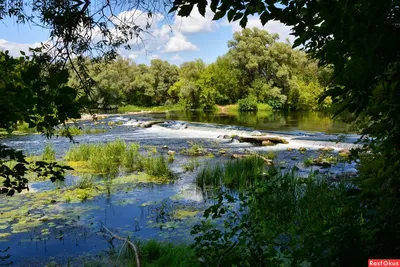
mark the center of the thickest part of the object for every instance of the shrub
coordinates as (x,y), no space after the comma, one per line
(248,104)
(283,221)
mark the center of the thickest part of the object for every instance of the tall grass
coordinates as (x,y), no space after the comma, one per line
(74,131)
(236,174)
(81,152)
(191,165)
(209,176)
(84,182)
(244,172)
(157,166)
(109,158)
(23,127)
(49,153)
(132,160)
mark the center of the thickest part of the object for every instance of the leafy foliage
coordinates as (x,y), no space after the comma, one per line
(283,220)
(248,104)
(35,92)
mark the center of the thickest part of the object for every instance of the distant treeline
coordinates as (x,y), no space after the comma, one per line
(256,68)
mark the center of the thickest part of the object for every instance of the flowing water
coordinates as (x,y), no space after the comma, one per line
(152,211)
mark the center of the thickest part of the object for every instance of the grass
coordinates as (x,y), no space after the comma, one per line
(152,254)
(191,165)
(308,161)
(101,158)
(22,128)
(132,159)
(110,158)
(243,172)
(195,149)
(209,176)
(133,108)
(85,182)
(236,174)
(74,131)
(49,154)
(157,166)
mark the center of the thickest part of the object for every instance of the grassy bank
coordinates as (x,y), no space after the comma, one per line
(133,108)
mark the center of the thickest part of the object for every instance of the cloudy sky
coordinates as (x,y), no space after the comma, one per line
(176,40)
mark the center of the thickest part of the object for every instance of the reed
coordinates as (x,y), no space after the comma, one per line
(242,173)
(157,166)
(209,176)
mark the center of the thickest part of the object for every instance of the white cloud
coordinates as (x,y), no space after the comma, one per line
(154,57)
(158,36)
(195,22)
(272,26)
(176,58)
(178,43)
(15,48)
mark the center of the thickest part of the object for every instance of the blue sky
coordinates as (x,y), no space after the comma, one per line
(176,39)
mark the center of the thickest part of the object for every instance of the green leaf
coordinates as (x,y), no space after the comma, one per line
(264,17)
(201,5)
(238,16)
(243,22)
(231,13)
(219,15)
(22,53)
(214,5)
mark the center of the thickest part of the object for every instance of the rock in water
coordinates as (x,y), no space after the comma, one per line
(326,149)
(267,143)
(258,140)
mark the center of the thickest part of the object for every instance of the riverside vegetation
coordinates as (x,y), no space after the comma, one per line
(260,215)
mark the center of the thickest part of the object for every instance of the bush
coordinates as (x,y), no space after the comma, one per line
(248,104)
(284,221)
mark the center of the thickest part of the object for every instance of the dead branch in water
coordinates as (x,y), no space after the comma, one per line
(135,249)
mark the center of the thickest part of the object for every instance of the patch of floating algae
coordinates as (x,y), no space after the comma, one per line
(34,211)
(181,214)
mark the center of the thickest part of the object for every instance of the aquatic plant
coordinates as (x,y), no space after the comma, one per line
(80,152)
(75,131)
(49,153)
(132,159)
(195,149)
(209,176)
(308,161)
(157,166)
(244,172)
(84,182)
(191,165)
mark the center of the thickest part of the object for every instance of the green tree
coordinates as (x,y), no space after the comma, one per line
(223,78)
(165,75)
(35,91)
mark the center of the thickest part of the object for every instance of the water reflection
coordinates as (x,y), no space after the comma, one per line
(272,121)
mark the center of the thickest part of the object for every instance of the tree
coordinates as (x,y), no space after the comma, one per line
(359,40)
(268,67)
(165,75)
(36,92)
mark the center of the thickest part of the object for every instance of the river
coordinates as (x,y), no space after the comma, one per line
(146,211)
